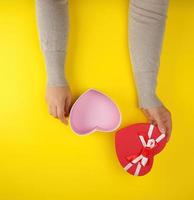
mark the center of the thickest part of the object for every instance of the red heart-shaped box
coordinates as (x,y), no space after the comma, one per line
(136,145)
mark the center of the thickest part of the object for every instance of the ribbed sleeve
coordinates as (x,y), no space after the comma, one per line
(147,19)
(53,26)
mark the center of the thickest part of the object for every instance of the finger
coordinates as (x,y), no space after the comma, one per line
(61,113)
(67,106)
(155,123)
(151,120)
(168,123)
(149,117)
(146,113)
(169,128)
(161,125)
(53,111)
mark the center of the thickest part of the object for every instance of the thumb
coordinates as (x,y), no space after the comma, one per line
(161,126)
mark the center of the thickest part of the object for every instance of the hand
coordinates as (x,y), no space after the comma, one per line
(59,102)
(160,116)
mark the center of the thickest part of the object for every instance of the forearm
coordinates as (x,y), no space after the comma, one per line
(146,31)
(53,25)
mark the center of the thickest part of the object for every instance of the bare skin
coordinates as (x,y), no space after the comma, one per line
(161,117)
(59,101)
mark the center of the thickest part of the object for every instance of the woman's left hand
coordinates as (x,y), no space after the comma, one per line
(161,117)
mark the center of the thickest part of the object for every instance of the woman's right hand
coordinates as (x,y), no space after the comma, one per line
(59,102)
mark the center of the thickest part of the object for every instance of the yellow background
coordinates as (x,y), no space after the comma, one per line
(40,158)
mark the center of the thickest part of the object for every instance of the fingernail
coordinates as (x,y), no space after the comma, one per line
(162,130)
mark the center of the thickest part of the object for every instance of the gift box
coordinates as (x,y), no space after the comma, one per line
(94,111)
(136,145)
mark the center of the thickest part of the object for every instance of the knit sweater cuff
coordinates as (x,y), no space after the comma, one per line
(55,68)
(146,89)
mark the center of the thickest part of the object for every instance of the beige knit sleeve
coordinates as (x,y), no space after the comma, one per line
(53,25)
(147,20)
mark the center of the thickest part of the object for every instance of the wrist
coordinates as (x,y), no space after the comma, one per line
(145,102)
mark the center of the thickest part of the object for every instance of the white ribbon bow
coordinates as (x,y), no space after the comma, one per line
(141,159)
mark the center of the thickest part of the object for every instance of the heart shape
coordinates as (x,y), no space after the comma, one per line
(94,111)
(136,145)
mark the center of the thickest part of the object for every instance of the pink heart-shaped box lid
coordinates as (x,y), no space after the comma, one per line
(94,111)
